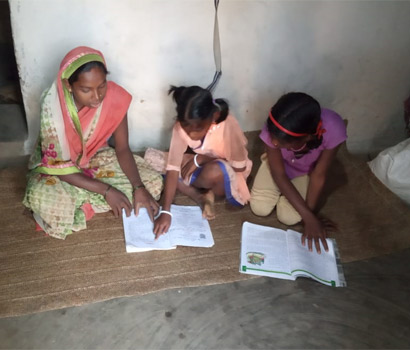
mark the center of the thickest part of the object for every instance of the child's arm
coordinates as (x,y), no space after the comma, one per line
(176,152)
(141,197)
(313,228)
(235,145)
(190,165)
(318,177)
(201,160)
(163,222)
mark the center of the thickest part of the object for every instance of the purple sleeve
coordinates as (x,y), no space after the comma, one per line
(335,129)
(265,136)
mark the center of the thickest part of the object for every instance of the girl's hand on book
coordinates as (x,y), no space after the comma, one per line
(330,226)
(162,225)
(314,231)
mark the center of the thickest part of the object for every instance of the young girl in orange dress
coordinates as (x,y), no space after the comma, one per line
(219,164)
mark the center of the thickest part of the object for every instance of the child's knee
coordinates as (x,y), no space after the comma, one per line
(211,177)
(212,171)
(287,214)
(263,202)
(289,220)
(261,208)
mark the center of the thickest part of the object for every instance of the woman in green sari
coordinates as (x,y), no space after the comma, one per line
(73,172)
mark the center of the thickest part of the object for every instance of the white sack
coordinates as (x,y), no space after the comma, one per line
(392,168)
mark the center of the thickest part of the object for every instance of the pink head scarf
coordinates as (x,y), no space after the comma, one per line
(114,108)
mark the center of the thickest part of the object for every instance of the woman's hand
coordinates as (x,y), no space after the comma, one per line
(162,225)
(314,230)
(143,199)
(117,201)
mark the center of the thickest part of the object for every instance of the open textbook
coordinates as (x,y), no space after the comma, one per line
(268,251)
(188,228)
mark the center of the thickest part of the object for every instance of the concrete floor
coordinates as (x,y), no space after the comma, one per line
(373,312)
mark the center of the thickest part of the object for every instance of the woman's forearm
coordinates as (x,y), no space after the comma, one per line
(82,181)
(124,154)
(128,166)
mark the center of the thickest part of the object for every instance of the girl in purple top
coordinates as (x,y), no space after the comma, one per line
(301,142)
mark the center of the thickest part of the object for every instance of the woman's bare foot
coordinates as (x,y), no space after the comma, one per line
(208,208)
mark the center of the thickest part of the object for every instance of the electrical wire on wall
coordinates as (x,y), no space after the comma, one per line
(217,51)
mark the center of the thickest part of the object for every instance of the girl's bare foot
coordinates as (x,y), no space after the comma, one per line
(208,208)
(191,192)
(205,200)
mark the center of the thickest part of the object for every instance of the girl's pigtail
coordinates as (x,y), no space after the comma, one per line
(176,93)
(223,107)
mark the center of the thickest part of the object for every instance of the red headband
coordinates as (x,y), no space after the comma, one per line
(319,131)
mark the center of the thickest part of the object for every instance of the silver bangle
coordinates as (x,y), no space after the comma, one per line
(135,188)
(196,162)
(165,212)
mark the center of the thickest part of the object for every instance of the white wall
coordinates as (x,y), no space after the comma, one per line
(352,56)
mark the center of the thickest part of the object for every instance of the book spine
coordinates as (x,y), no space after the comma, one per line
(339,266)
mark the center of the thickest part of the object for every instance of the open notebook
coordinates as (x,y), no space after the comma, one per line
(188,228)
(268,251)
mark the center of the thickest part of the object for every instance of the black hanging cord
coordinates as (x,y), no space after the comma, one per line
(217,51)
